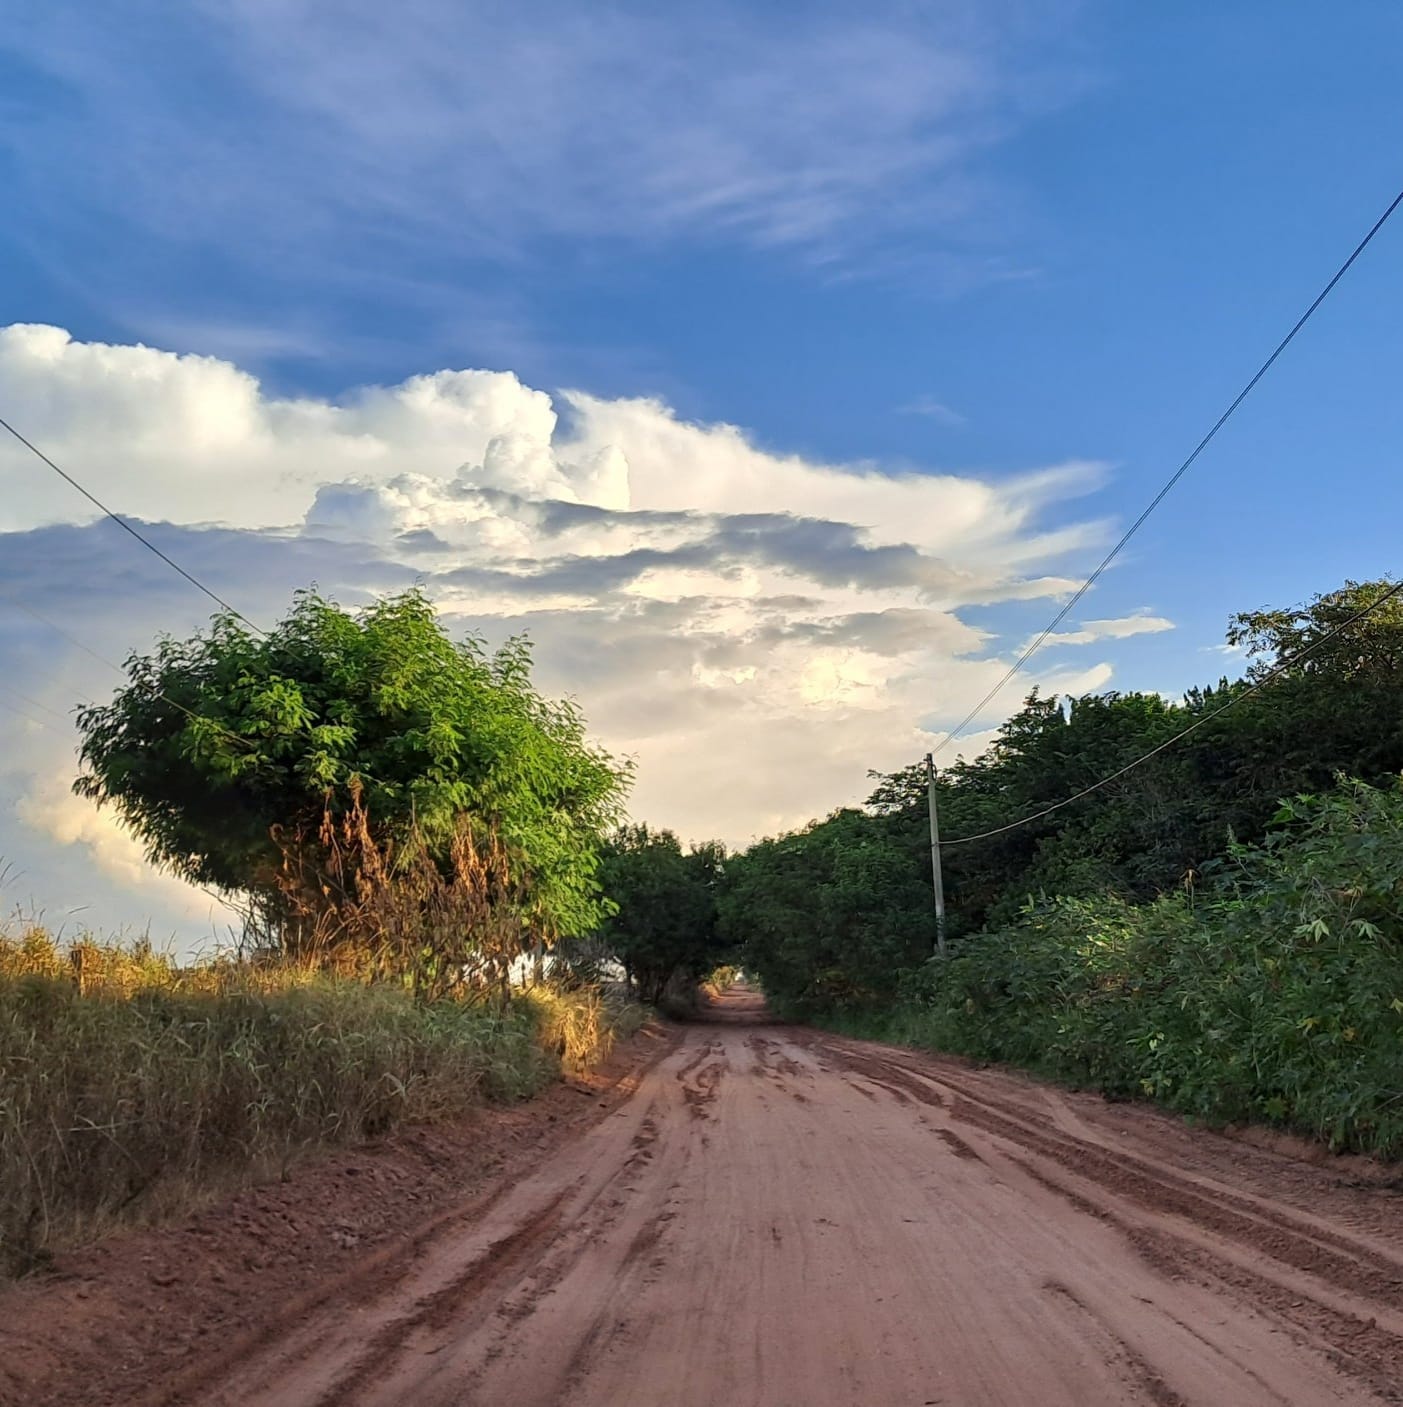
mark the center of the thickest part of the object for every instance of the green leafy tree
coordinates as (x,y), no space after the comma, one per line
(822,941)
(1274,993)
(228,752)
(664,929)
(830,916)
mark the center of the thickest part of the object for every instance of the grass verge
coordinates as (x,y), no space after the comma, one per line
(130,1086)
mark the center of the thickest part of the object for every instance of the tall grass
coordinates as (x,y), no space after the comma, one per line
(578,1026)
(130,1085)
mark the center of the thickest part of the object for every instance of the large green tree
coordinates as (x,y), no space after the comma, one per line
(229,750)
(664,928)
(832,915)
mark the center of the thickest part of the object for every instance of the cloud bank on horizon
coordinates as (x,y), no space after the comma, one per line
(755,628)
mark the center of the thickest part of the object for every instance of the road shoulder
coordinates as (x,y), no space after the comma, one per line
(144,1316)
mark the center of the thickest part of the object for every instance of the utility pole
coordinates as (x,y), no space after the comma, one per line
(937,879)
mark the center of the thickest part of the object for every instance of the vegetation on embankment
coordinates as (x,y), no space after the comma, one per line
(1180,934)
(404,822)
(130,1087)
(1275,995)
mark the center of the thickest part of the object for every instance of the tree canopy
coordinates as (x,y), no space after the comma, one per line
(225,751)
(665,926)
(837,911)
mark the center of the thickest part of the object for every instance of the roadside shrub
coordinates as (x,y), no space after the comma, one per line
(1276,996)
(721,979)
(580,1025)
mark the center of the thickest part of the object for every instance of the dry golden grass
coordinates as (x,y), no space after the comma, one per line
(721,979)
(131,1085)
(580,1026)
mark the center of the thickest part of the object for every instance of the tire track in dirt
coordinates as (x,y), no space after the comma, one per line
(701,1080)
(1356,1345)
(1331,1256)
(1350,1336)
(778,1218)
(406,1292)
(447,1304)
(1141,1378)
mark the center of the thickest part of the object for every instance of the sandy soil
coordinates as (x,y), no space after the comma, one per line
(765,1215)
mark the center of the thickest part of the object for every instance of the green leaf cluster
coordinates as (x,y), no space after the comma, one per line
(830,916)
(1273,995)
(1180,933)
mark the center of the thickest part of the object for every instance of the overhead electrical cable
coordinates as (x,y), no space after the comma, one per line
(1169,483)
(61,632)
(116,668)
(169,561)
(127,527)
(165,698)
(25,714)
(35,703)
(102,659)
(1280,668)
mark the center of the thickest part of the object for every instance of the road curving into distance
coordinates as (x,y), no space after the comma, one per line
(785,1219)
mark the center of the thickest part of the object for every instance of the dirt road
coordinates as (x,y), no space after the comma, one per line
(784,1219)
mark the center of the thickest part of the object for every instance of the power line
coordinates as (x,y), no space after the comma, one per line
(1266,679)
(35,703)
(60,631)
(165,698)
(38,722)
(1172,480)
(88,650)
(116,668)
(127,527)
(102,659)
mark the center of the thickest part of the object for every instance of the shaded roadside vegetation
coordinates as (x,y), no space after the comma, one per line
(1221,929)
(409,829)
(665,933)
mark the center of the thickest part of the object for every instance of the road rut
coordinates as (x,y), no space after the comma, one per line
(780,1217)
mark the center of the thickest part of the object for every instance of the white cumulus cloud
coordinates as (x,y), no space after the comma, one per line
(757,629)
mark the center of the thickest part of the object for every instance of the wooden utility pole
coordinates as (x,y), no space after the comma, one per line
(937,879)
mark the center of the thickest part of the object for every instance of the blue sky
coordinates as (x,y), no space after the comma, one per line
(964,242)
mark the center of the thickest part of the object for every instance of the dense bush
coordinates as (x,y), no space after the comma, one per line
(663,932)
(1274,994)
(1147,831)
(829,917)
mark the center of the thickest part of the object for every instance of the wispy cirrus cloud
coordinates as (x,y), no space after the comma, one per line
(352,132)
(932,409)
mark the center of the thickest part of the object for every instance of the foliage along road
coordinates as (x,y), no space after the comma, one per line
(778,1217)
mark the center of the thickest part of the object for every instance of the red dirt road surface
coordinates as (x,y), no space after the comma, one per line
(778,1218)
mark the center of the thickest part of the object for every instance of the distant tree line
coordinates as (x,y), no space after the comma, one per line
(1221,929)
(833,915)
